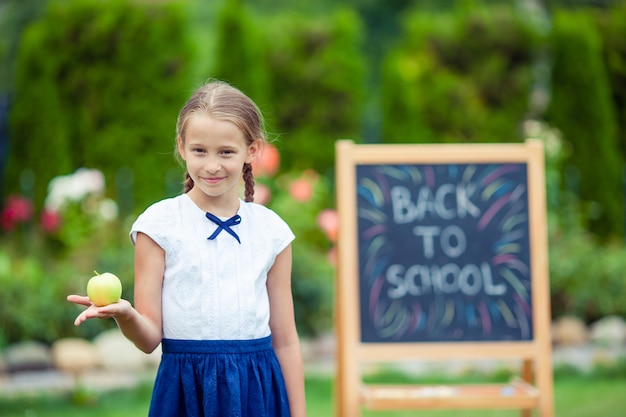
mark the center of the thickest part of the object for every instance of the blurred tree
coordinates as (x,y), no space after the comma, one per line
(308,8)
(317,74)
(556,4)
(240,48)
(102,90)
(612,28)
(14,17)
(582,108)
(461,77)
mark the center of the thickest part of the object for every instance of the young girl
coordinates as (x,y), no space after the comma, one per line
(213,276)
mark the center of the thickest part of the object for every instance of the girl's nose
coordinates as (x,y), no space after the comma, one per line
(213,165)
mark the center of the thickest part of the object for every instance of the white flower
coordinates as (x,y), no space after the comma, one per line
(91,180)
(532,128)
(108,209)
(74,187)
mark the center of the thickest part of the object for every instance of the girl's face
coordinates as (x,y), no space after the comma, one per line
(215,151)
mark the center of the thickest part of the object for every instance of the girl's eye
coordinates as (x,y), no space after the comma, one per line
(197,150)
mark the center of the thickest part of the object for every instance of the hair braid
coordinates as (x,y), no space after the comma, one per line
(188,183)
(248,179)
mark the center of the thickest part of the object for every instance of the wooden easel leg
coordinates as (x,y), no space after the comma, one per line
(527,375)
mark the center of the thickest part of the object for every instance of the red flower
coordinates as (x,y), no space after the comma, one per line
(50,221)
(17,210)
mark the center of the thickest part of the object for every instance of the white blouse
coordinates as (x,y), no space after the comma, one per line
(214,289)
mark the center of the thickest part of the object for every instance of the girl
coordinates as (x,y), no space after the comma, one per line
(213,276)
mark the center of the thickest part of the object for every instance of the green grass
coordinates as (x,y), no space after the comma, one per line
(574,396)
(122,403)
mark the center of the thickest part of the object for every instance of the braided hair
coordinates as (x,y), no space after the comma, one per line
(223,102)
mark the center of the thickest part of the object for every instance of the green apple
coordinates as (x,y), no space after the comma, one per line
(104,289)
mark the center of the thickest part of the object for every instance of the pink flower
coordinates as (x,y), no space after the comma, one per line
(17,210)
(301,190)
(267,161)
(262,194)
(328,221)
(50,221)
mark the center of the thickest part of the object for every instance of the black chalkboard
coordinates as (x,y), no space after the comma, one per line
(443,252)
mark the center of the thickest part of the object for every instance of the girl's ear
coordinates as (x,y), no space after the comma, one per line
(253,150)
(180,146)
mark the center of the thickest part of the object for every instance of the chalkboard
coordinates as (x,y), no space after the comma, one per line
(444,252)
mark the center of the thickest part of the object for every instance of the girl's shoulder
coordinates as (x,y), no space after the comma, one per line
(167,212)
(267,224)
(161,219)
(261,213)
(164,207)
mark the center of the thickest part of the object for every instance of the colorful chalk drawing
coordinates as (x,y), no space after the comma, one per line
(444,253)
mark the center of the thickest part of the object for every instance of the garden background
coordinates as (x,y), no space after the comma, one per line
(90,90)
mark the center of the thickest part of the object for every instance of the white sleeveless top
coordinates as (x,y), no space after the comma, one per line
(214,289)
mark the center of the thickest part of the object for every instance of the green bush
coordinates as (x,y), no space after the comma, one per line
(99,84)
(39,268)
(32,301)
(317,76)
(612,27)
(459,77)
(240,49)
(587,276)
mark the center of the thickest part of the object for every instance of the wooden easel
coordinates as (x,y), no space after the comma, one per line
(533,390)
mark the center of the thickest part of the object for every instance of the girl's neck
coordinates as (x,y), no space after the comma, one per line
(221,206)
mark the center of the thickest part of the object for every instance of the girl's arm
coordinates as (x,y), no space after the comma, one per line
(142,324)
(285,338)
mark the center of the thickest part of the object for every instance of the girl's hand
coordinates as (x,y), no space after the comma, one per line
(117,310)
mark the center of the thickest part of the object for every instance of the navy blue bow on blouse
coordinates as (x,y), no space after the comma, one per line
(224,225)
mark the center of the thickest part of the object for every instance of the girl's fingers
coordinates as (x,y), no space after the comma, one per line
(91,313)
(94,312)
(79,320)
(79,299)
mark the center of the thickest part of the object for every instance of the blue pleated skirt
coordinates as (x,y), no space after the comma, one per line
(219,378)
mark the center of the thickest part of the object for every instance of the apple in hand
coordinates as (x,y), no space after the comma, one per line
(104,289)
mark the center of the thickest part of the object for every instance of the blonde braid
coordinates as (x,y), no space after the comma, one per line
(248,179)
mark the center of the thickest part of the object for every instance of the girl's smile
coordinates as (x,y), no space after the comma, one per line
(213,180)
